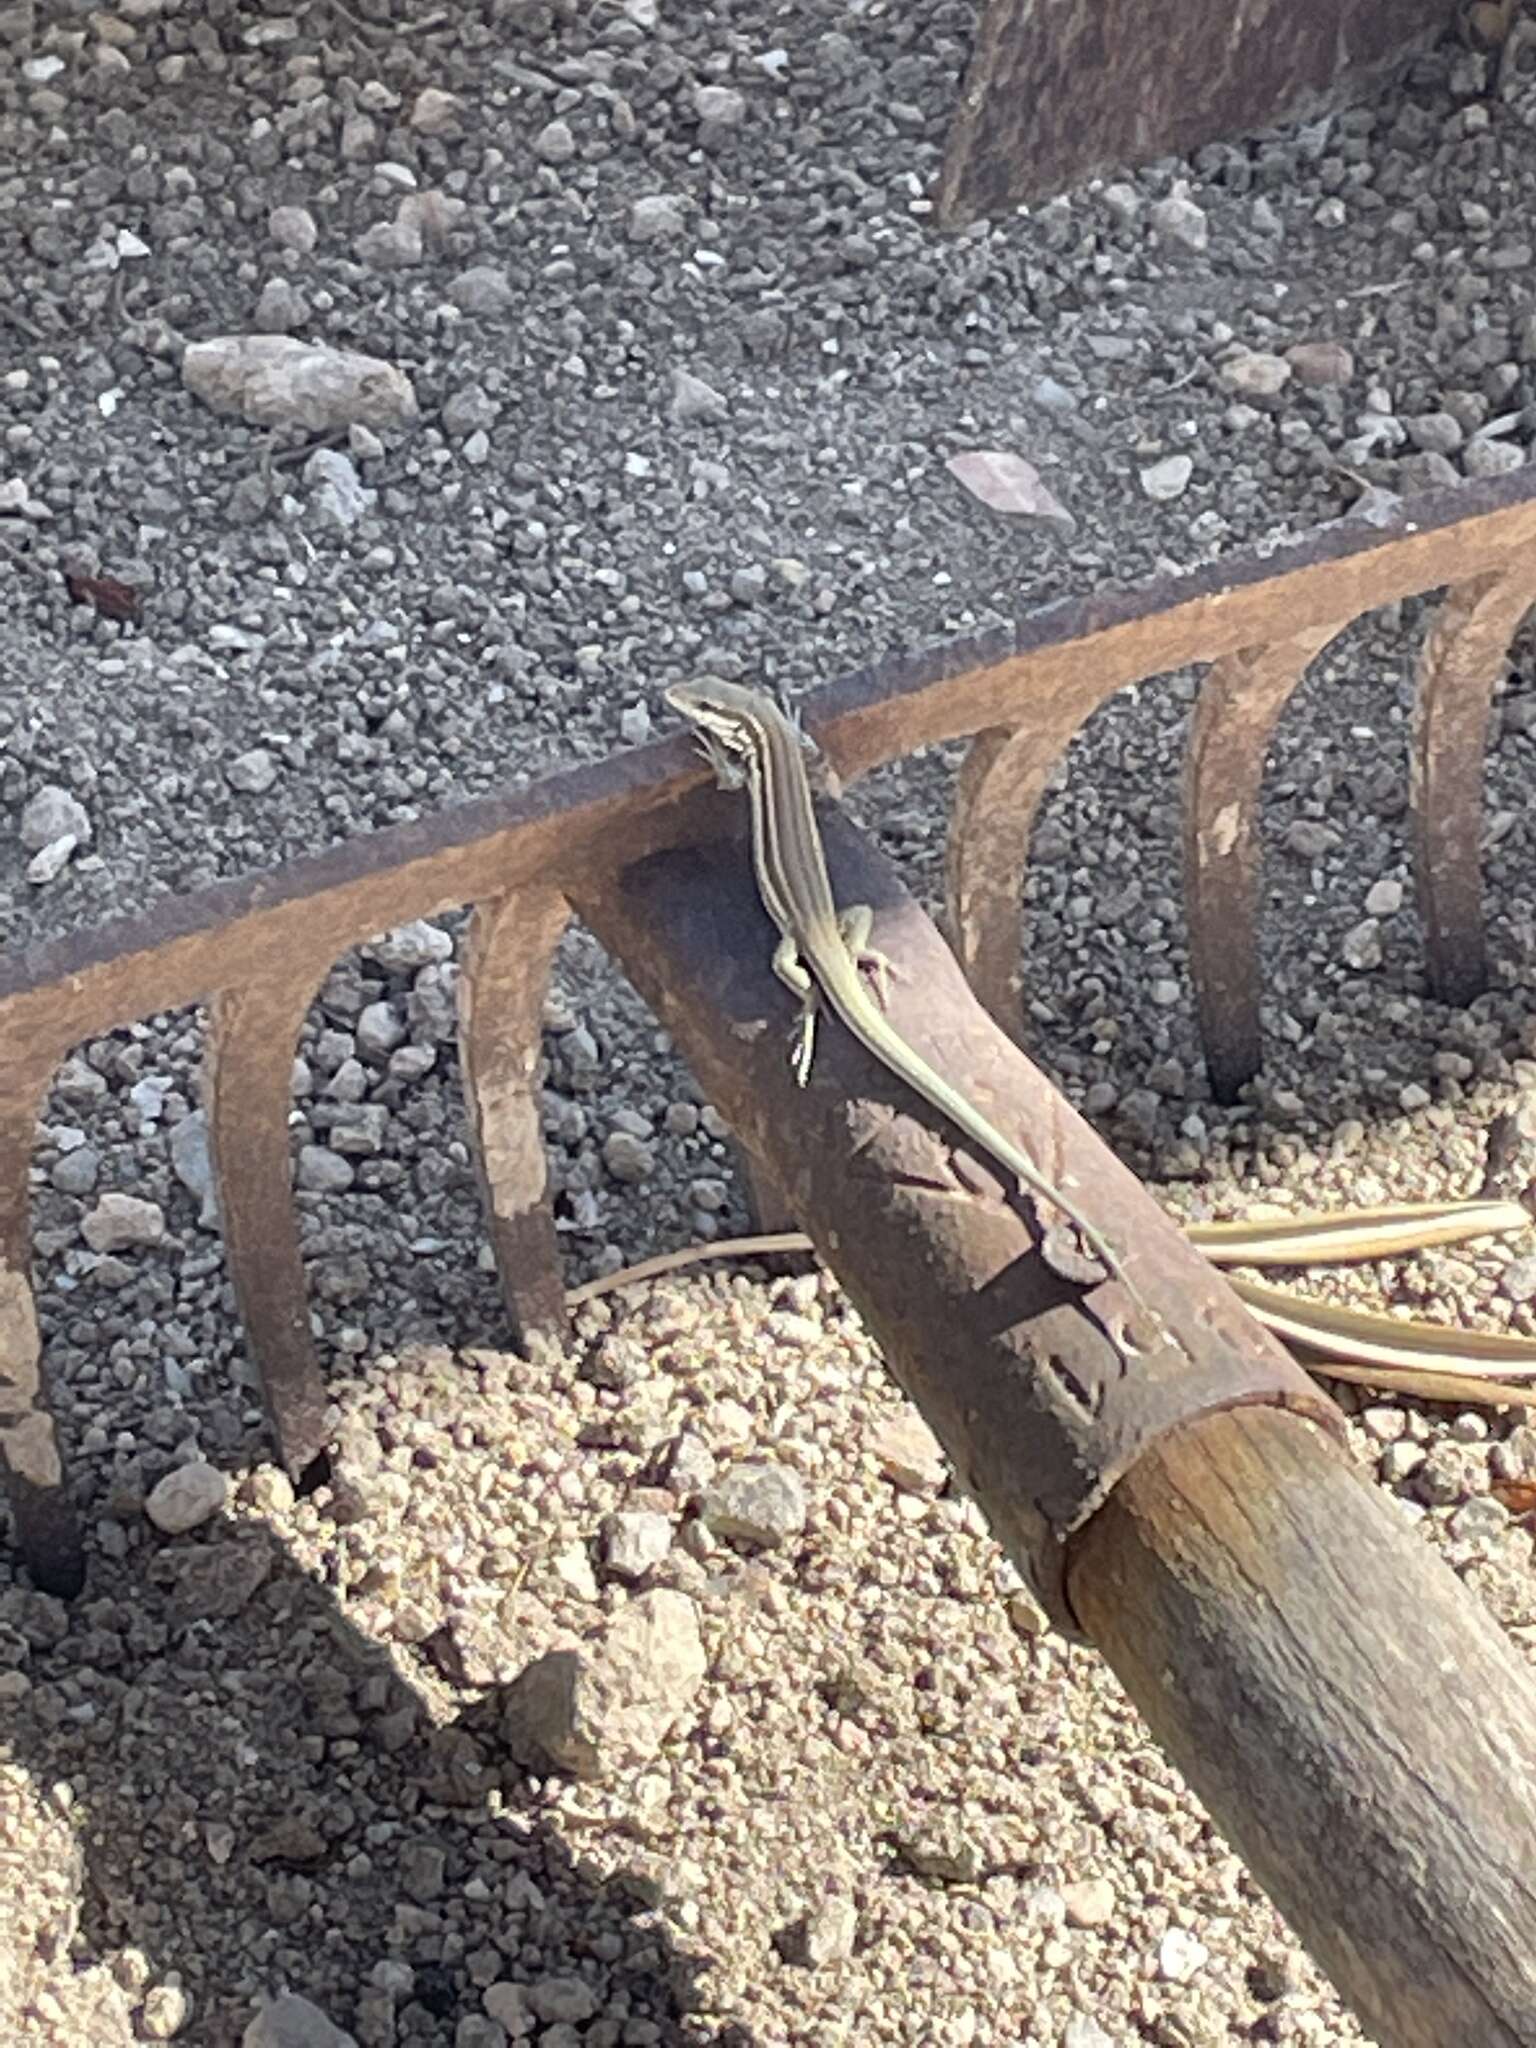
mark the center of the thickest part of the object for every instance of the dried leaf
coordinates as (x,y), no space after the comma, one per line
(1398,1354)
(1007,483)
(105,594)
(1517,1495)
(1326,1238)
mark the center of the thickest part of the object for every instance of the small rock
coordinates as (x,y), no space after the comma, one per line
(562,2001)
(212,1581)
(431,215)
(292,1839)
(164,2012)
(1321,365)
(269,1490)
(1384,898)
(910,1454)
(281,307)
(76,1173)
(1517,1282)
(1180,1956)
(409,947)
(53,814)
(756,1503)
(1178,222)
(253,772)
(359,138)
(322,1171)
(940,1848)
(1400,1461)
(1483,1520)
(435,112)
(469,410)
(1164,481)
(1428,470)
(1361,948)
(657,218)
(1085,2033)
(55,857)
(693,399)
(1451,1473)
(628,1158)
(634,1541)
(272,380)
(187,1497)
(507,2004)
(379,1031)
(118,1221)
(590,1710)
(826,1935)
(1310,838)
(482,290)
(554,143)
(289,2021)
(1384,1425)
(1255,377)
(1090,1903)
(1492,458)
(192,1164)
(686,1465)
(1122,203)
(391,245)
(423,1868)
(720,109)
(1438,433)
(1052,396)
(337,491)
(293,227)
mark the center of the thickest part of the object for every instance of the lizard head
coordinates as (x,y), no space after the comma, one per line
(722,711)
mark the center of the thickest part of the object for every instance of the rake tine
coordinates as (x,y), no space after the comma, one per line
(36,1481)
(1238,708)
(1462,660)
(501,997)
(253,1036)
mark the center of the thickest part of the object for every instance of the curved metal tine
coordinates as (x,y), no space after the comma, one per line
(1235,716)
(997,794)
(46,1528)
(253,1037)
(1462,659)
(505,973)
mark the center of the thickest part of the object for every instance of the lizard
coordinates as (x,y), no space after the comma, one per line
(823,952)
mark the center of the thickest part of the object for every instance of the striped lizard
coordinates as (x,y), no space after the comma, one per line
(824,952)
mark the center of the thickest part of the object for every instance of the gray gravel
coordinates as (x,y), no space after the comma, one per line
(675,371)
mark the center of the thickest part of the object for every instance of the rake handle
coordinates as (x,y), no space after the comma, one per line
(1358,1725)
(1346,1709)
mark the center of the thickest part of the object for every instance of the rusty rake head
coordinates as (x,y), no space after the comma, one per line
(257,950)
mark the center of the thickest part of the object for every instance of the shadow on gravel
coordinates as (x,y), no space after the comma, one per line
(260,1801)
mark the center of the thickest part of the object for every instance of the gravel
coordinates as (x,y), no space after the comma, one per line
(441,396)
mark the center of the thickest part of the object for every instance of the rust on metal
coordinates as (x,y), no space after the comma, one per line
(1042,1390)
(1057,90)
(1238,708)
(256,949)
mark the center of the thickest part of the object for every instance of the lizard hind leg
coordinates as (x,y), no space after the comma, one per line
(855,925)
